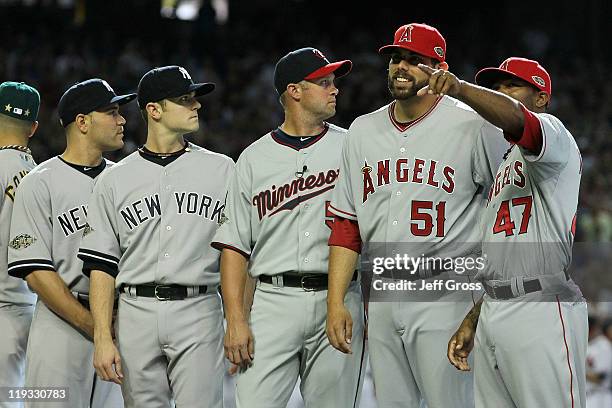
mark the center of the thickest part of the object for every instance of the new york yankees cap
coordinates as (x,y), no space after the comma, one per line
(420,38)
(523,68)
(168,82)
(88,96)
(19,100)
(306,63)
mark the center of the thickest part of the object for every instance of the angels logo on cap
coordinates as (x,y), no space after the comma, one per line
(528,70)
(420,38)
(406,35)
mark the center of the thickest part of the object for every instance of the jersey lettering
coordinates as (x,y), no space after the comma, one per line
(506,176)
(383,172)
(430,176)
(401,170)
(407,171)
(10,189)
(186,203)
(133,215)
(449,176)
(418,169)
(503,220)
(271,200)
(509,174)
(518,168)
(198,204)
(423,222)
(73,220)
(218,211)
(368,185)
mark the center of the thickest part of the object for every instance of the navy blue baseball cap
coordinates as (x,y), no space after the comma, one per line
(168,82)
(88,96)
(306,63)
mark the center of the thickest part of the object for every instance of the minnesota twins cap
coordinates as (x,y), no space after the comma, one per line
(306,63)
(168,82)
(523,68)
(19,100)
(420,38)
(88,96)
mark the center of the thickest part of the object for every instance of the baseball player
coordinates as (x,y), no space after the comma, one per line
(152,217)
(278,221)
(598,368)
(414,175)
(531,327)
(19,105)
(46,227)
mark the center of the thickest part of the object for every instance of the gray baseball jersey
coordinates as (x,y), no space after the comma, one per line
(48,221)
(278,204)
(530,217)
(423,181)
(422,184)
(277,216)
(49,218)
(528,234)
(152,220)
(16,300)
(152,223)
(16,162)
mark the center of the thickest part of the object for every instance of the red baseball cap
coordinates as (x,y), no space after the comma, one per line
(420,38)
(522,68)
